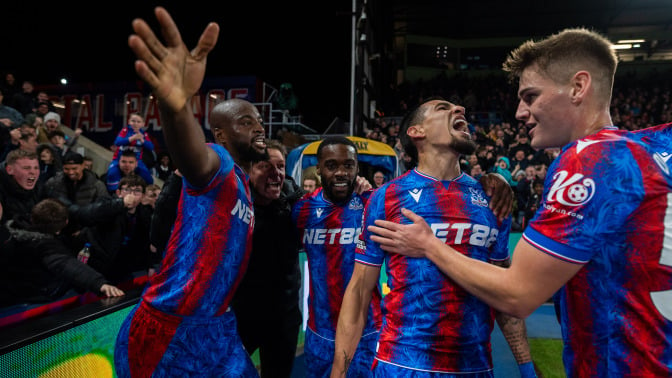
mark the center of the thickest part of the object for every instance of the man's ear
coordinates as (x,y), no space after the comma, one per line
(580,83)
(415,131)
(218,134)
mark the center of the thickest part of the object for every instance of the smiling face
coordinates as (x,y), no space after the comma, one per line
(25,172)
(267,177)
(74,172)
(337,167)
(238,125)
(136,122)
(546,109)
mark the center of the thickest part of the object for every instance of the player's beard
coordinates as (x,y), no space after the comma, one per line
(251,154)
(463,146)
(332,197)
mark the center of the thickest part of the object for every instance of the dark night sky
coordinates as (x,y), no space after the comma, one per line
(274,41)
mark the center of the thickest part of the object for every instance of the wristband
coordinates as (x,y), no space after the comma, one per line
(527,370)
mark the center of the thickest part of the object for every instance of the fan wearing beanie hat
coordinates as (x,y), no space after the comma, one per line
(50,122)
(52,116)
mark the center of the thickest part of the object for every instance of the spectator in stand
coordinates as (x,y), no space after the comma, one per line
(502,167)
(26,100)
(165,168)
(27,140)
(522,142)
(42,109)
(533,202)
(75,184)
(128,164)
(165,212)
(310,182)
(378,179)
(120,238)
(518,162)
(88,165)
(20,189)
(43,98)
(10,118)
(52,122)
(57,143)
(152,192)
(476,171)
(131,138)
(9,88)
(40,266)
(50,164)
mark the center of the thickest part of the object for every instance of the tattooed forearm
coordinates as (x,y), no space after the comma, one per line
(346,363)
(515,332)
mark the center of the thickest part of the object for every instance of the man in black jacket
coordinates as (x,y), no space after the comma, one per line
(266,303)
(38,266)
(119,234)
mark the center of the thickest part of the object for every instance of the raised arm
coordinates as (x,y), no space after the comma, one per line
(175,75)
(532,278)
(352,318)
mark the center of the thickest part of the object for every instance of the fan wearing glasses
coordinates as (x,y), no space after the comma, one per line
(120,237)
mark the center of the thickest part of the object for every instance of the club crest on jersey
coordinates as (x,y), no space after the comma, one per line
(356,204)
(477,197)
(571,191)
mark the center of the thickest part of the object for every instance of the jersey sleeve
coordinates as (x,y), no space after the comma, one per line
(226,165)
(589,191)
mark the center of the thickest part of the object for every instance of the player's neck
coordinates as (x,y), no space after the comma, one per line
(441,166)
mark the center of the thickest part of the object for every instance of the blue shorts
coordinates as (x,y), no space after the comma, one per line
(319,355)
(153,343)
(384,369)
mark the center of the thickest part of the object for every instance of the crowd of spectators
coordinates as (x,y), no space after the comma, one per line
(38,162)
(52,206)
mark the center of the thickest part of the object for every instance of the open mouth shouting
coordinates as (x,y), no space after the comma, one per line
(461,125)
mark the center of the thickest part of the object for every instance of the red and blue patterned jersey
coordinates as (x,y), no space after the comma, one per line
(329,234)
(607,203)
(122,143)
(209,247)
(429,322)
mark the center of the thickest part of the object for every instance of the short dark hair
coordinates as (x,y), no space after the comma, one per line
(413,117)
(56,132)
(129,153)
(73,157)
(132,180)
(337,139)
(49,216)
